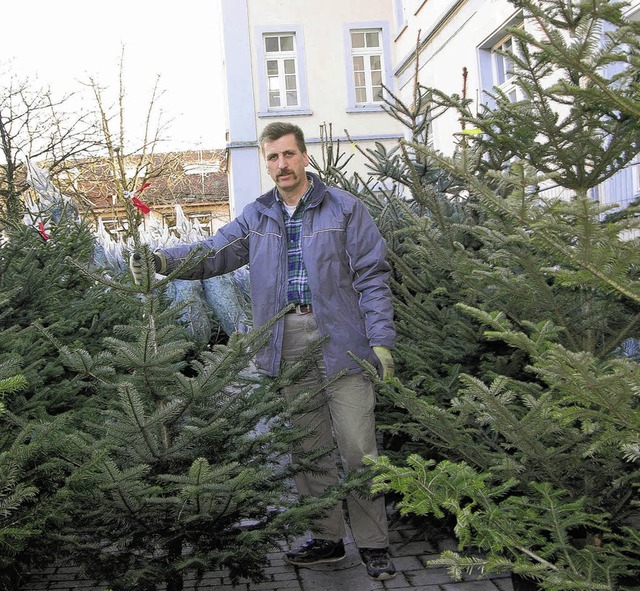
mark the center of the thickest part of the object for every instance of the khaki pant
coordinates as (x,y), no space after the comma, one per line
(345,411)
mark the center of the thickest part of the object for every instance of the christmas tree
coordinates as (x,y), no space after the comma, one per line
(132,449)
(38,285)
(183,469)
(517,300)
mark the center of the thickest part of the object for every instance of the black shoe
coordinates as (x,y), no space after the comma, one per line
(316,551)
(378,563)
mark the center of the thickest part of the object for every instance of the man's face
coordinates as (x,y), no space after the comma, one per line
(286,166)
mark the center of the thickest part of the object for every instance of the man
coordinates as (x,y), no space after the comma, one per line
(315,247)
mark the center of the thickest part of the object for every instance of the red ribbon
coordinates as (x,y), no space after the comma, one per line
(142,188)
(141,205)
(42,232)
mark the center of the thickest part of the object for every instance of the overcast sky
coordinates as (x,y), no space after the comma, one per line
(60,44)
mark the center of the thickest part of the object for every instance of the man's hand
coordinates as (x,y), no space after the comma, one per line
(386,360)
(135,265)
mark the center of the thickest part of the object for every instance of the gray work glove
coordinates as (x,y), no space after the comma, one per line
(135,266)
(386,361)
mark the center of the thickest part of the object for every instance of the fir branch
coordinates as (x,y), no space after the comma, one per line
(479,188)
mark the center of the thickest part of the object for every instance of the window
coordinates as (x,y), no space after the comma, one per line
(495,59)
(503,64)
(635,166)
(282,82)
(282,71)
(503,68)
(366,57)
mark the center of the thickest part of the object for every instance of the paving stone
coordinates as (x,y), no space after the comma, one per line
(211,579)
(58,576)
(67,569)
(407,563)
(428,576)
(503,584)
(426,559)
(410,549)
(448,545)
(285,576)
(36,586)
(420,588)
(484,585)
(279,569)
(276,586)
(398,582)
(354,579)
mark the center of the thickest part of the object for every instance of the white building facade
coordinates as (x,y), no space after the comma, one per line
(327,63)
(314,64)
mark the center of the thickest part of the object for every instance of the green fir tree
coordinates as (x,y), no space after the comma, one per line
(515,412)
(184,467)
(38,284)
(132,450)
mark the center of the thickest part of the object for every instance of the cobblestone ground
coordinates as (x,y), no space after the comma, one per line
(409,549)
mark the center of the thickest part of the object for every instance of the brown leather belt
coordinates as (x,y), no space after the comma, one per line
(301,309)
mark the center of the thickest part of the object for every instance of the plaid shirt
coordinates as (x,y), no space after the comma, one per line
(297,283)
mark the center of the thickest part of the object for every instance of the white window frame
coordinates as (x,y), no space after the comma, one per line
(370,73)
(298,54)
(384,51)
(502,64)
(285,91)
(503,75)
(494,68)
(635,175)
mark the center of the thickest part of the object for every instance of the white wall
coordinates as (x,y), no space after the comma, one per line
(451,31)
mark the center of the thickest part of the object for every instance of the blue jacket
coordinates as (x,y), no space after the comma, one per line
(345,258)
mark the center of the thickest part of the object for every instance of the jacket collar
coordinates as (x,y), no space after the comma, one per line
(268,202)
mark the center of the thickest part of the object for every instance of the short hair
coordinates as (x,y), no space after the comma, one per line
(277,129)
